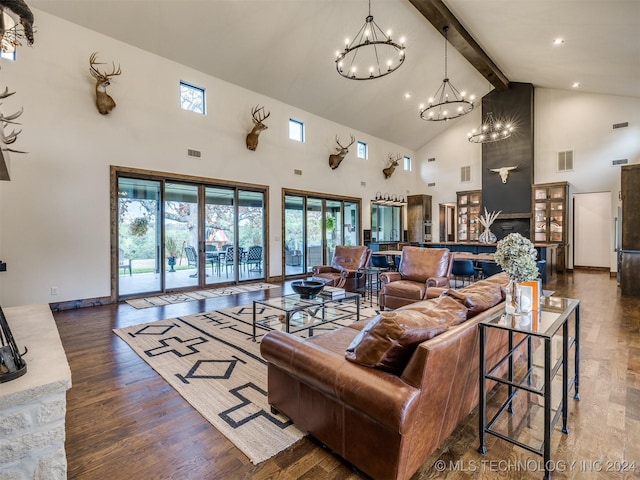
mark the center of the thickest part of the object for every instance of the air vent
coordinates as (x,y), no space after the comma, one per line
(194,153)
(465,174)
(297,172)
(565,161)
(363,184)
(433,184)
(617,163)
(432,159)
(620,125)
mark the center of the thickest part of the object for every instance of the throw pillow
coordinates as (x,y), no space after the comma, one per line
(478,297)
(389,340)
(447,308)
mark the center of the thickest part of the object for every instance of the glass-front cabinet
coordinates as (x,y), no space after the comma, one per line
(469,204)
(550,216)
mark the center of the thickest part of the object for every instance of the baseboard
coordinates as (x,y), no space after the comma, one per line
(75,304)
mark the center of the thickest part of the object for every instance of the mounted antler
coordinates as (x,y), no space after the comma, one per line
(258,117)
(336,158)
(103,101)
(24,13)
(393,163)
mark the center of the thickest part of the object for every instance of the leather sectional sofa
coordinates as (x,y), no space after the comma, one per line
(384,393)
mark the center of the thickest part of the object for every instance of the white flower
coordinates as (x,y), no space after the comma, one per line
(517,257)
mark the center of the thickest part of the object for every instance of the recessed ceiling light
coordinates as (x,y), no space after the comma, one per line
(558,41)
(576,85)
(407,95)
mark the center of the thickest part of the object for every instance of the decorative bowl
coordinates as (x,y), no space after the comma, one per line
(307,288)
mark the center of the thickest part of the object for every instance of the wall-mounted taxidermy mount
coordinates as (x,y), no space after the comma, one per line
(103,101)
(504,172)
(258,117)
(9,139)
(393,163)
(336,158)
(23,13)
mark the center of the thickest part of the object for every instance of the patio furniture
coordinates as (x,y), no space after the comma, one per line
(124,262)
(254,257)
(192,258)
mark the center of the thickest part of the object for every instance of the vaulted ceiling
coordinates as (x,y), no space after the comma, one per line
(285,49)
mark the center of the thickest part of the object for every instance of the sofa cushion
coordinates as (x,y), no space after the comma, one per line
(388,341)
(449,309)
(406,289)
(478,297)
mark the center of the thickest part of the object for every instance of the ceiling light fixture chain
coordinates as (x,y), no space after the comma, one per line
(448,102)
(374,47)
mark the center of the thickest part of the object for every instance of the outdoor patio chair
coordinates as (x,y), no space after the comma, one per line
(192,258)
(124,262)
(254,257)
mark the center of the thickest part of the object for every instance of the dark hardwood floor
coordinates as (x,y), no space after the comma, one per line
(125,422)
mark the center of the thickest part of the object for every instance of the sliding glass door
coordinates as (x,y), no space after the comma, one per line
(181,233)
(139,257)
(313,226)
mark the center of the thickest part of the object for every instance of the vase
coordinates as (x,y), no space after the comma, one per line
(487,236)
(513,305)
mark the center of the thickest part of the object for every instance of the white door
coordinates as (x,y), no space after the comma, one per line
(592,229)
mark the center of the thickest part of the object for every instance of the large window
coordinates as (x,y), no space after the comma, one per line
(181,232)
(313,226)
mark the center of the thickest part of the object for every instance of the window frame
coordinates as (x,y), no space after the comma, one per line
(366,150)
(193,87)
(407,162)
(300,124)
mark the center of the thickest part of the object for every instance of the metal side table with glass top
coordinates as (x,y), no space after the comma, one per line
(545,337)
(316,311)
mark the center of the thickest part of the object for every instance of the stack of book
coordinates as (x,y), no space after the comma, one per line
(332,292)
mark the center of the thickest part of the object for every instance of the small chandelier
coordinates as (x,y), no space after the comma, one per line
(378,54)
(490,131)
(449,102)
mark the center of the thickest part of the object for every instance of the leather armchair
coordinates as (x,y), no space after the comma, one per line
(343,271)
(423,273)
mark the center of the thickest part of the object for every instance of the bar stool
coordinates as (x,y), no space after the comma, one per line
(463,269)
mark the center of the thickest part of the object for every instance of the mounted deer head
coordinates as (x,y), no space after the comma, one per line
(336,158)
(258,117)
(393,163)
(103,101)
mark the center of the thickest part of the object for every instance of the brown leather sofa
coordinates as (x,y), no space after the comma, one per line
(343,269)
(422,274)
(382,408)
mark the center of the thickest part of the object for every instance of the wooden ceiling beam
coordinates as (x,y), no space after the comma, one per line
(437,13)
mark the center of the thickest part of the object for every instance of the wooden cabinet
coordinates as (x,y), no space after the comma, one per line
(469,204)
(629,255)
(550,217)
(419,218)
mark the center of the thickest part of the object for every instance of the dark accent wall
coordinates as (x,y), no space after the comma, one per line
(514,197)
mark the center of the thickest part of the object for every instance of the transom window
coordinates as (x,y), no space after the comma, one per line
(192,98)
(296,130)
(363,150)
(407,163)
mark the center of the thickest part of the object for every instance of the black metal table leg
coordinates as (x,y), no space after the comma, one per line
(254,321)
(577,352)
(547,409)
(482,404)
(565,375)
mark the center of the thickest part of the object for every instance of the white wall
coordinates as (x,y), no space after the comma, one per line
(563,120)
(54,213)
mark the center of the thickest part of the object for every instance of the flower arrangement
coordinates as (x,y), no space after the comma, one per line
(517,257)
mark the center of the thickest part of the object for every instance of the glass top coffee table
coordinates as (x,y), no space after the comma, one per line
(313,312)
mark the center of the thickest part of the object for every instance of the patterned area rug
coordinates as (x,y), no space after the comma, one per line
(197,295)
(212,362)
